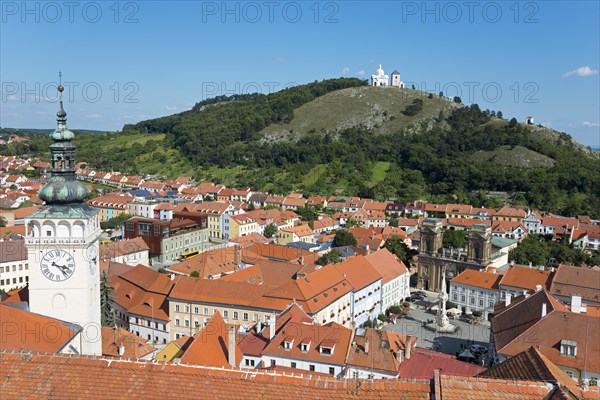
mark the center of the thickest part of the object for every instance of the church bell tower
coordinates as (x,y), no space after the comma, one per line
(62,240)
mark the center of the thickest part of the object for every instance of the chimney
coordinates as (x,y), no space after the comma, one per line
(238,258)
(366,346)
(172,276)
(543,310)
(399,355)
(576,304)
(526,293)
(121,349)
(507,299)
(530,265)
(302,260)
(231,352)
(538,287)
(408,349)
(271,323)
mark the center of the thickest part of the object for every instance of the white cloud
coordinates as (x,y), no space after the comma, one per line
(170,108)
(93,116)
(581,71)
(345,71)
(361,72)
(547,124)
(588,124)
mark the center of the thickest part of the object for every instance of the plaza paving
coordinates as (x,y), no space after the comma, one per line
(465,335)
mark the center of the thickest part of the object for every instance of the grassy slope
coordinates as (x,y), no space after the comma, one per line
(518,156)
(374,107)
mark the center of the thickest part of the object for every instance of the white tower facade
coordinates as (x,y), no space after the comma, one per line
(396,80)
(380,79)
(62,240)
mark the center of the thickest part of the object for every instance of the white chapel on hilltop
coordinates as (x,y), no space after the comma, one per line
(381,79)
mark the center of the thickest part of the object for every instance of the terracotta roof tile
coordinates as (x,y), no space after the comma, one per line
(210,346)
(25,331)
(35,376)
(485,280)
(526,278)
(386,264)
(133,346)
(422,364)
(386,352)
(122,248)
(358,271)
(570,280)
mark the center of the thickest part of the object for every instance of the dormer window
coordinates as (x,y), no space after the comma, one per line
(568,348)
(327,347)
(305,345)
(288,342)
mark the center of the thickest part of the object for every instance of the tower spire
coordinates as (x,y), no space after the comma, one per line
(61,114)
(63,187)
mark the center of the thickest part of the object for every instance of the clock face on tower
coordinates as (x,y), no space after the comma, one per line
(57,265)
(92,257)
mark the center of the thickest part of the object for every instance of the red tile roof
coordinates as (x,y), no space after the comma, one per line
(25,331)
(570,280)
(122,248)
(386,352)
(210,346)
(143,291)
(301,329)
(529,365)
(484,280)
(516,326)
(470,388)
(358,272)
(387,265)
(133,345)
(526,278)
(37,376)
(422,364)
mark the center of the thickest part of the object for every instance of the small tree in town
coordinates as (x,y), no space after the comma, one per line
(107,300)
(270,230)
(343,238)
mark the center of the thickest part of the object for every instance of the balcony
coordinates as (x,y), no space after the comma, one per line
(55,240)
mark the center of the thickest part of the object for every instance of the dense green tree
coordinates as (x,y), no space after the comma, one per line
(343,238)
(457,99)
(270,230)
(115,222)
(512,123)
(107,300)
(454,239)
(533,249)
(396,246)
(331,257)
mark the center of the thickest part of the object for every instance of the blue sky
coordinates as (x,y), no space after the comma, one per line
(129,61)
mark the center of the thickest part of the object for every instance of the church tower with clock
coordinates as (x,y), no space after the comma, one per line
(62,240)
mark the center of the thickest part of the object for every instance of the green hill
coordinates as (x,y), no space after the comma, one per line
(377,108)
(339,136)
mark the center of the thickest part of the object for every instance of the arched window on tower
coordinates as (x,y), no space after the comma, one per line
(59,301)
